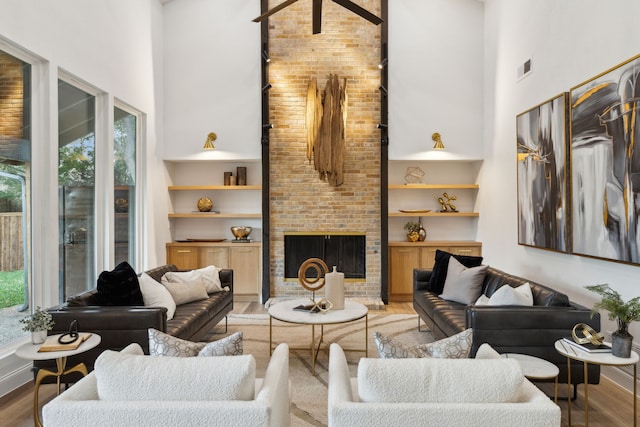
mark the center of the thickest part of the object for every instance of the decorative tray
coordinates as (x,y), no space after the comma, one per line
(200,240)
(415,210)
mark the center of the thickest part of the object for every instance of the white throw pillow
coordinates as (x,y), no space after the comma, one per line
(185,287)
(462,284)
(156,295)
(126,377)
(211,278)
(506,295)
(454,347)
(439,380)
(487,352)
(482,300)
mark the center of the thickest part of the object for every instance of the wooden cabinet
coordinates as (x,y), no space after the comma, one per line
(243,258)
(405,256)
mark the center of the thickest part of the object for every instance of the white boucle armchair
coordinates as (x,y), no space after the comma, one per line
(435,392)
(129,388)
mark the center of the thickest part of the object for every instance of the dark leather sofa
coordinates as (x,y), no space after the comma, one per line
(509,329)
(120,326)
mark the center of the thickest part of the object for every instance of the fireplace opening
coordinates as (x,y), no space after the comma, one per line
(346,251)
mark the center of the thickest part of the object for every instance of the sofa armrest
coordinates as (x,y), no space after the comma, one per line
(421,277)
(226,278)
(531,330)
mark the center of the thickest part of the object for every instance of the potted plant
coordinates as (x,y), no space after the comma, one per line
(413,231)
(623,313)
(39,323)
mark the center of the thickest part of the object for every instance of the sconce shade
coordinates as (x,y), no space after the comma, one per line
(208,145)
(438,139)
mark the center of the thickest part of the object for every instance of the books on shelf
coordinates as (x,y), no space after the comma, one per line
(589,347)
(52,344)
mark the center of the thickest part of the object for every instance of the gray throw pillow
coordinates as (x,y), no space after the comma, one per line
(463,285)
(161,344)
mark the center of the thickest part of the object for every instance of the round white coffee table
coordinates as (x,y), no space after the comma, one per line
(30,351)
(284,312)
(535,368)
(602,359)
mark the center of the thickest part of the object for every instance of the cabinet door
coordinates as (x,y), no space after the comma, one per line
(245,262)
(427,257)
(218,256)
(402,262)
(184,257)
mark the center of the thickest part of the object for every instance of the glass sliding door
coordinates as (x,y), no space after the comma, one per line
(15,188)
(76,189)
(124,175)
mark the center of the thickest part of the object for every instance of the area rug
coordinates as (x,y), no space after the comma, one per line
(309,392)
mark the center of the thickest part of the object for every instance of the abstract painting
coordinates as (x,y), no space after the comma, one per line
(542,175)
(605,165)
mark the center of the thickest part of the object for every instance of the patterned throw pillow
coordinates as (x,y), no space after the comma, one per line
(457,346)
(161,344)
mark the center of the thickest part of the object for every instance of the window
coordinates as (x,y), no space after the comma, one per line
(15,206)
(76,189)
(125,138)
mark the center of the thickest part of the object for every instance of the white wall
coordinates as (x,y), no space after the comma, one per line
(212,79)
(112,45)
(435,79)
(569,42)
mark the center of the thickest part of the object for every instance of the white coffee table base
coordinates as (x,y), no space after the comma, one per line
(284,312)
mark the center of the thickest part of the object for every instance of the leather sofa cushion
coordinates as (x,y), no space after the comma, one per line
(189,318)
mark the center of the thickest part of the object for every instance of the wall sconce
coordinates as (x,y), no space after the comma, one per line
(208,145)
(266,56)
(438,139)
(383,90)
(382,64)
(266,87)
(268,126)
(382,126)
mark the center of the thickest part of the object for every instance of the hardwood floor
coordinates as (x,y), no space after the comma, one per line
(609,404)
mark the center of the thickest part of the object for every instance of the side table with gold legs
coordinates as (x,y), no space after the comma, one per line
(602,359)
(30,351)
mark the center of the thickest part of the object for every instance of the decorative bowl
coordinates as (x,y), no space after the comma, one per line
(240,232)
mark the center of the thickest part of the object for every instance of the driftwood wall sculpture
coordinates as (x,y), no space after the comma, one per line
(326,122)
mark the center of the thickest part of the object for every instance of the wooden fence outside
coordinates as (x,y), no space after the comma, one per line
(11,242)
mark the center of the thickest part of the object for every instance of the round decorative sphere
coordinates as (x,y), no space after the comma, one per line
(205,204)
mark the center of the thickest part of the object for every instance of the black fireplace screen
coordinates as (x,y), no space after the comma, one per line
(346,252)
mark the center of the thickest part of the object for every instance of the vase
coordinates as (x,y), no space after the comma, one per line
(413,236)
(38,337)
(621,345)
(334,288)
(422,234)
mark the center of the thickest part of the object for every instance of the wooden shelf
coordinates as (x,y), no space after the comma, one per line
(435,214)
(213,187)
(434,186)
(212,215)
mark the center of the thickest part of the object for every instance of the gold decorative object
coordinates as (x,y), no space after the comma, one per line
(241,233)
(438,141)
(445,203)
(588,334)
(208,145)
(315,283)
(414,175)
(205,204)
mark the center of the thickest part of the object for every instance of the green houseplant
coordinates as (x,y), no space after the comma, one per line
(623,313)
(38,323)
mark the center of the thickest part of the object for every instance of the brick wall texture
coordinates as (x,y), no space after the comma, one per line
(11,94)
(348,46)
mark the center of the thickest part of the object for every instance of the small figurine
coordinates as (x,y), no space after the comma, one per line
(447,206)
